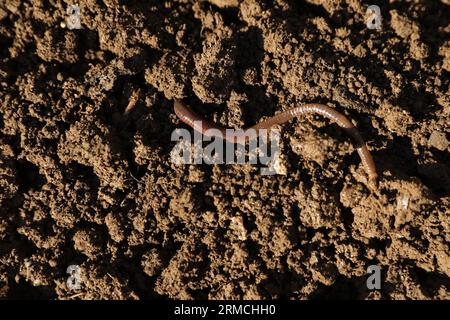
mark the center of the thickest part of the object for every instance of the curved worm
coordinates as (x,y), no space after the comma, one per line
(201,125)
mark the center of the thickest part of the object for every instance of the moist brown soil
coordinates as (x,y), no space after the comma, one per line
(85,183)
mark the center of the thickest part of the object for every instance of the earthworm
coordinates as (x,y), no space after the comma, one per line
(189,117)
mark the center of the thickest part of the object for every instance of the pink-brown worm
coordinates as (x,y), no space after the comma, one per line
(201,125)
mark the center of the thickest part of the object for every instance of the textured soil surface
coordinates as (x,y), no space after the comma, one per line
(86,178)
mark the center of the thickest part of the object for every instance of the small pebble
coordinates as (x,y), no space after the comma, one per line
(438,140)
